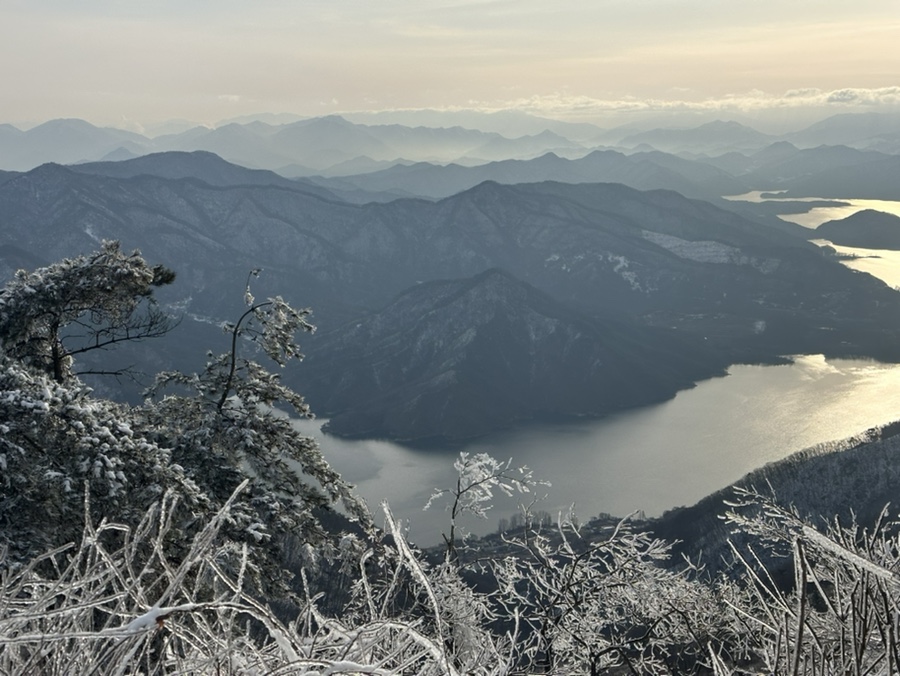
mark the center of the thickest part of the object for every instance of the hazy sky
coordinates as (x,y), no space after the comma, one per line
(129,62)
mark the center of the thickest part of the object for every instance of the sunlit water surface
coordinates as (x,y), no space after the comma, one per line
(818,215)
(881,263)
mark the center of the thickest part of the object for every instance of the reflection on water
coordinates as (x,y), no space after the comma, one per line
(818,215)
(652,458)
(813,218)
(661,456)
(883,264)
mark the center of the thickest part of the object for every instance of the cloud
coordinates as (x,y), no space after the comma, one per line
(866,97)
(755,100)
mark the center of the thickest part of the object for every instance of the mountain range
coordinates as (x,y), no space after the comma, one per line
(631,295)
(299,148)
(364,163)
(643,171)
(335,145)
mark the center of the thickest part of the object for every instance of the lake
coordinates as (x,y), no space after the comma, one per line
(842,208)
(657,457)
(650,459)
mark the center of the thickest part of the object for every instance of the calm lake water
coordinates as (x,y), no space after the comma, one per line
(648,459)
(818,215)
(652,458)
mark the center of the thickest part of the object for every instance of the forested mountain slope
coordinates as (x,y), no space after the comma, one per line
(735,289)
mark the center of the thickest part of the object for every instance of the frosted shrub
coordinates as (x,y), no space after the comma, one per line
(568,599)
(116,604)
(590,605)
(478,476)
(449,621)
(840,612)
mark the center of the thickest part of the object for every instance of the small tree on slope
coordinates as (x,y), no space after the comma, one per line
(225,428)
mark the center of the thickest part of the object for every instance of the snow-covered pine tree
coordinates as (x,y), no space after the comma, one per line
(225,425)
(198,444)
(101,299)
(55,440)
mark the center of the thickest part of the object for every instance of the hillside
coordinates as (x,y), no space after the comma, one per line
(866,229)
(448,360)
(849,480)
(642,261)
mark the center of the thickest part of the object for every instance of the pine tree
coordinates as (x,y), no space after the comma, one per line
(81,304)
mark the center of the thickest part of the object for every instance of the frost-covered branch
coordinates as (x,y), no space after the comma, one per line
(477,477)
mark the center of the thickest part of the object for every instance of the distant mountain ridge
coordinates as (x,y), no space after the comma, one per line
(644,171)
(65,141)
(310,146)
(710,138)
(875,131)
(197,165)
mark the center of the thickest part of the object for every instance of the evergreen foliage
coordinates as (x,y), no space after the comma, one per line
(199,445)
(78,305)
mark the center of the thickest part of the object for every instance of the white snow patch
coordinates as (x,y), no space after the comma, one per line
(562,263)
(621,269)
(89,231)
(708,251)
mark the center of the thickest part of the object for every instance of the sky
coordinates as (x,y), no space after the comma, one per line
(133,63)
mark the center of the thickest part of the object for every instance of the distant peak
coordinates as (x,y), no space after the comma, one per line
(63,123)
(49,170)
(331,120)
(724,124)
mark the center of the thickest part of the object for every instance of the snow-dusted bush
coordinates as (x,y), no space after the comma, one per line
(840,614)
(589,605)
(116,604)
(478,476)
